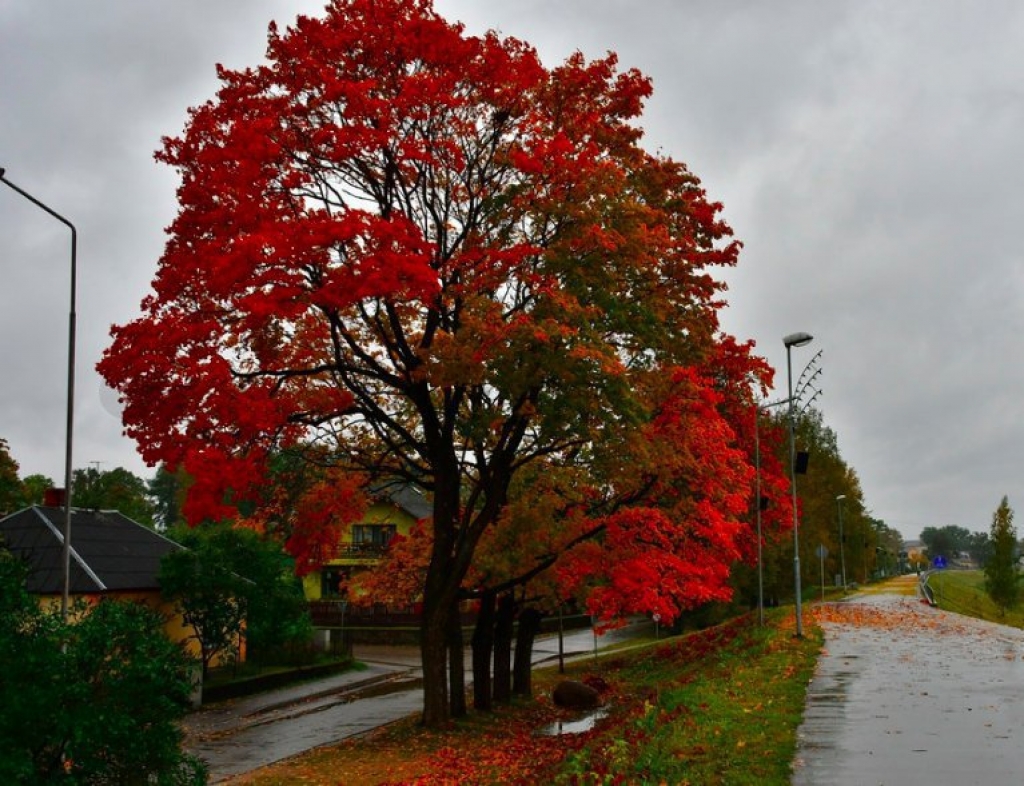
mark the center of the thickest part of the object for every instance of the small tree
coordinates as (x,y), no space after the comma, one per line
(1001,579)
(11,490)
(130,685)
(231,580)
(30,681)
(209,597)
(277,612)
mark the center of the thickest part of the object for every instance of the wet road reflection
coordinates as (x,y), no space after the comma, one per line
(916,696)
(242,735)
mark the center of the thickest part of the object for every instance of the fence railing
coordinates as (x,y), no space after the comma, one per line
(925,589)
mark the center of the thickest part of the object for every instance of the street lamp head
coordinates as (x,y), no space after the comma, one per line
(797,339)
(840,496)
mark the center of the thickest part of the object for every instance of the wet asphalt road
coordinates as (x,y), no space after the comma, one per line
(921,697)
(234,737)
(238,736)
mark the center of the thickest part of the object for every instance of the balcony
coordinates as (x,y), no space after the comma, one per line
(374,550)
(358,551)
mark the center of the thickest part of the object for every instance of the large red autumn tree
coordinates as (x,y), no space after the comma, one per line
(420,255)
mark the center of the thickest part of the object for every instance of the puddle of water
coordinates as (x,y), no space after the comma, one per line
(577,725)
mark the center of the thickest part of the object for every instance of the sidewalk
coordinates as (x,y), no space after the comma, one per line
(243,734)
(384,663)
(221,718)
(908,694)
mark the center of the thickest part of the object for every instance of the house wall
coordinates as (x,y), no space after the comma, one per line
(381,513)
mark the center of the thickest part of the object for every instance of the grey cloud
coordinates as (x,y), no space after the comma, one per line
(866,152)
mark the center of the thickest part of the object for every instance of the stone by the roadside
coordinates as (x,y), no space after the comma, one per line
(575,695)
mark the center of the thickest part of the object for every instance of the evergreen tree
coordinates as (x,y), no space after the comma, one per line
(1001,580)
(166,490)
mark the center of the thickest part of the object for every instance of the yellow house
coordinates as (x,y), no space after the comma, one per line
(111,556)
(394,511)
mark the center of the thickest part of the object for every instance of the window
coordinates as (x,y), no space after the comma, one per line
(330,582)
(372,536)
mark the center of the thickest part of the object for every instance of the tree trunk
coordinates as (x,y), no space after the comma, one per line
(440,593)
(433,656)
(483,648)
(504,625)
(456,665)
(522,677)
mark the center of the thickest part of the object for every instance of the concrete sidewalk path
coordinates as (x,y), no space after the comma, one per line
(908,694)
(240,735)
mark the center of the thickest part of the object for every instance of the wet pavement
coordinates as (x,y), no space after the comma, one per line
(908,694)
(241,735)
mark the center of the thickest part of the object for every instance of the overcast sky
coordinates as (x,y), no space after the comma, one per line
(868,154)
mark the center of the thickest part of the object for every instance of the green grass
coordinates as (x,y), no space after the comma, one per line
(963,591)
(723,709)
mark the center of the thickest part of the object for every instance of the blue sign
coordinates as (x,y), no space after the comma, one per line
(939,561)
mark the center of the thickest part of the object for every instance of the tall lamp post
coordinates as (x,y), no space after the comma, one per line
(66,549)
(757,509)
(795,340)
(842,540)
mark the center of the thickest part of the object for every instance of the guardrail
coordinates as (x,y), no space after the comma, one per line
(926,591)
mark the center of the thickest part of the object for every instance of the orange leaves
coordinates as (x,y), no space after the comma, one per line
(398,578)
(510,753)
(905,614)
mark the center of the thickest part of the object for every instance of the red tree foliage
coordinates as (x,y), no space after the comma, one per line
(423,255)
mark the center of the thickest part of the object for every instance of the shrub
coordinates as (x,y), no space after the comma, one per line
(93,701)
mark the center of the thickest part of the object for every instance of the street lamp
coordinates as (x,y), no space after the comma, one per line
(842,540)
(795,340)
(66,550)
(757,509)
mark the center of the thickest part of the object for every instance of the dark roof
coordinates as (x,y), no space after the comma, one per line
(406,497)
(109,551)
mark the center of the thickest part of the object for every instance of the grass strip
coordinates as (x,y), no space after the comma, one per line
(963,592)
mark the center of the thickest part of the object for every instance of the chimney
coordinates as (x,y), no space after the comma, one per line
(53,498)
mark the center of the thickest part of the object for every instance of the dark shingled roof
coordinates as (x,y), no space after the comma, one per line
(109,551)
(409,499)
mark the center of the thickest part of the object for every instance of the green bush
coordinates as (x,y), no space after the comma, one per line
(231,581)
(90,702)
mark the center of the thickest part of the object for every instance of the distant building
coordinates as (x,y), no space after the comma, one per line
(111,556)
(394,512)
